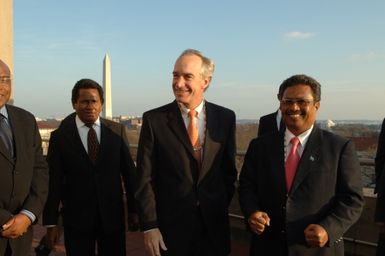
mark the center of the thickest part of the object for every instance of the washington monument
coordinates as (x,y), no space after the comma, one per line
(107,107)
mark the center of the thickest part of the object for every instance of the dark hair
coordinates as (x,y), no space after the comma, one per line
(86,84)
(301,79)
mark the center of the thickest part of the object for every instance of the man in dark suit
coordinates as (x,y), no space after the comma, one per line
(270,123)
(300,190)
(380,190)
(23,173)
(185,185)
(88,159)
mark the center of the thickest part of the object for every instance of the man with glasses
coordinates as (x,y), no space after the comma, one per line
(300,190)
(23,173)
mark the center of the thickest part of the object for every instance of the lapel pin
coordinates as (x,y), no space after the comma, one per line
(312,158)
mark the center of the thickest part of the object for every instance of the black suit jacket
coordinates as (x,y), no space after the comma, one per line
(380,176)
(326,190)
(90,194)
(268,123)
(170,186)
(24,179)
(380,156)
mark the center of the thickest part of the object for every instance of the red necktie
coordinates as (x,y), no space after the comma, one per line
(193,133)
(292,162)
(92,143)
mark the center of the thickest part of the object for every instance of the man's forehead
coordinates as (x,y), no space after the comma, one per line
(4,70)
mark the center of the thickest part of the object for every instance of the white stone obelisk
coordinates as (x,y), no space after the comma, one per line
(107,107)
(6,36)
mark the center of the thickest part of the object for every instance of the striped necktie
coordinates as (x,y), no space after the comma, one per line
(6,134)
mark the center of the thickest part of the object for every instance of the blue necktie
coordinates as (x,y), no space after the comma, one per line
(6,134)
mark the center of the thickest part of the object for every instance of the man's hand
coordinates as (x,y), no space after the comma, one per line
(258,222)
(16,226)
(152,240)
(132,222)
(53,236)
(316,235)
(381,226)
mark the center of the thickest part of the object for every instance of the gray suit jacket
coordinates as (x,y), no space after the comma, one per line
(23,179)
(326,190)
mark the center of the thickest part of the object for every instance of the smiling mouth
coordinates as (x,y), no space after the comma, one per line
(294,115)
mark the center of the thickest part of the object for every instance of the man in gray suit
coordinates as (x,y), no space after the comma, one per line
(186,167)
(300,190)
(23,173)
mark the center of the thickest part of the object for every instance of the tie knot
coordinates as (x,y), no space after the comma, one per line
(89,125)
(2,117)
(294,141)
(192,113)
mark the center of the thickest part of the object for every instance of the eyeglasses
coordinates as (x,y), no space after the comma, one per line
(5,80)
(300,102)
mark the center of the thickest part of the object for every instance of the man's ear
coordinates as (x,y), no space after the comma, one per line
(317,105)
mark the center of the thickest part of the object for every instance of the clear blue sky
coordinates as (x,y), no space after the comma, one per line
(255,45)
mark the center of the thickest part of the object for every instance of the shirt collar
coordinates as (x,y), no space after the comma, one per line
(4,112)
(80,123)
(303,137)
(198,109)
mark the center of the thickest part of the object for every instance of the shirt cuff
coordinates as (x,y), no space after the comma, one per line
(29,214)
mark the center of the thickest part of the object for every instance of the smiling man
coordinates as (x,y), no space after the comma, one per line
(23,173)
(186,167)
(300,190)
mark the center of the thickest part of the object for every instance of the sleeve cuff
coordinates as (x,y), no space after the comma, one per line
(29,214)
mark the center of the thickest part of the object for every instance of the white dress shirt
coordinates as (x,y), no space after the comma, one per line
(83,130)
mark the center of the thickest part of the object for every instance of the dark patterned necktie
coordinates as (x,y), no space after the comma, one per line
(6,134)
(92,144)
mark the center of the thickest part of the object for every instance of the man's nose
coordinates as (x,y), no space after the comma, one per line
(179,81)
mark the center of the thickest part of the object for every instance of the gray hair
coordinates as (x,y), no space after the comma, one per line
(208,65)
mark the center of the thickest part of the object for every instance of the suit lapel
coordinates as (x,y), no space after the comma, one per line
(211,146)
(105,135)
(277,161)
(176,124)
(309,157)
(71,133)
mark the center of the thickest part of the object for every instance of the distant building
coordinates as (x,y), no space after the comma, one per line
(45,129)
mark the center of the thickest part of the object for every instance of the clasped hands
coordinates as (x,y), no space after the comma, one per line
(16,226)
(315,235)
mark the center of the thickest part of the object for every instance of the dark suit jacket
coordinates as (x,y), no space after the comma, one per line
(380,176)
(267,123)
(326,190)
(170,186)
(90,194)
(380,156)
(23,180)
